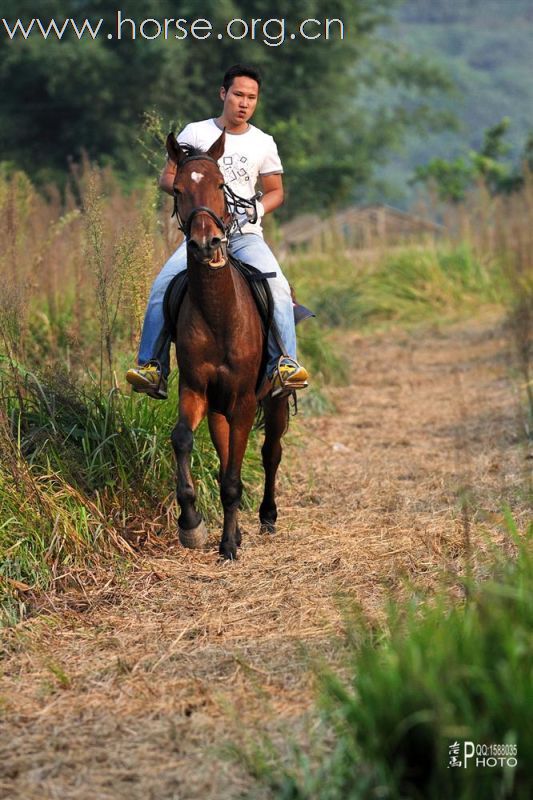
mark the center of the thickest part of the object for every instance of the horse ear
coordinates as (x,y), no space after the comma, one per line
(175,153)
(217,148)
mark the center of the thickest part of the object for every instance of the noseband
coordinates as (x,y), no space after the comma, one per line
(235,204)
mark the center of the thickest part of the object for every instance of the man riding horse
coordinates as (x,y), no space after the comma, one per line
(249,153)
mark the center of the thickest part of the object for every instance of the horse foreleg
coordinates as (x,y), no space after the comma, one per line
(191,528)
(231,484)
(219,430)
(276,418)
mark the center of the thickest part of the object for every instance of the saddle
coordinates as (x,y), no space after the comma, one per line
(258,283)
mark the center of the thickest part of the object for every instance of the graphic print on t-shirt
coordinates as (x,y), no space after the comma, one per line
(235,168)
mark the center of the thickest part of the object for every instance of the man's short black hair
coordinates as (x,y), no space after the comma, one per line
(238,70)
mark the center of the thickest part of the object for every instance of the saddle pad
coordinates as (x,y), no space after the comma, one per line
(172,301)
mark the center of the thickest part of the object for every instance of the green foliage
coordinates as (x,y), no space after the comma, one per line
(418,283)
(452,13)
(79,96)
(90,95)
(438,674)
(452,179)
(44,524)
(517,247)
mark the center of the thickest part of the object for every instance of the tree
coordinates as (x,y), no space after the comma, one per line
(77,96)
(452,179)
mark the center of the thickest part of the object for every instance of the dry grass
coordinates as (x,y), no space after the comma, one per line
(500,229)
(66,262)
(127,687)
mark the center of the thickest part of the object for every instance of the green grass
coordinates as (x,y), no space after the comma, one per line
(407,286)
(46,527)
(326,366)
(77,466)
(111,443)
(437,674)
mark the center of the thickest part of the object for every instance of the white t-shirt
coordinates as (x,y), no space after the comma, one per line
(246,156)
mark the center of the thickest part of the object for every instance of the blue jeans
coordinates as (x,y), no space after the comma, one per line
(253,250)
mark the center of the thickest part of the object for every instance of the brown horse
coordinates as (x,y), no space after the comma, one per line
(219,346)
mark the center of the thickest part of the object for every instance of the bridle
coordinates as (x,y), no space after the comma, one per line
(185,225)
(234,206)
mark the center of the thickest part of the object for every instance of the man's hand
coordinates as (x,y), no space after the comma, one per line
(258,212)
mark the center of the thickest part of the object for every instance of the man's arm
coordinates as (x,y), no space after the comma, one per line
(272,186)
(166,179)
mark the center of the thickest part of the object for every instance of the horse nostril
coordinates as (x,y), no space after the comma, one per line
(216,241)
(193,244)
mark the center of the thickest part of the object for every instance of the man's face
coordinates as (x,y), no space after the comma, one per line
(240,100)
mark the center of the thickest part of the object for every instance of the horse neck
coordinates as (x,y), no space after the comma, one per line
(214,293)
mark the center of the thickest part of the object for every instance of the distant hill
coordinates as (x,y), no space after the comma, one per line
(486,46)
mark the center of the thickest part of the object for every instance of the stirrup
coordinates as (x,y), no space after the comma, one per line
(286,386)
(136,379)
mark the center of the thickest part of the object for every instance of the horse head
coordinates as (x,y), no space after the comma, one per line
(199,200)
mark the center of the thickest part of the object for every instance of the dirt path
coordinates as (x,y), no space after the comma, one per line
(134,690)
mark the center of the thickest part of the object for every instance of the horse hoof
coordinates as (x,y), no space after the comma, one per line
(267,527)
(227,552)
(195,538)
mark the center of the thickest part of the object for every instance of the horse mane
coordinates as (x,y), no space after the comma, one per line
(189,150)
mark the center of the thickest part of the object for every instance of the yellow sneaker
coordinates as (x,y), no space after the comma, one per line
(288,376)
(149,379)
